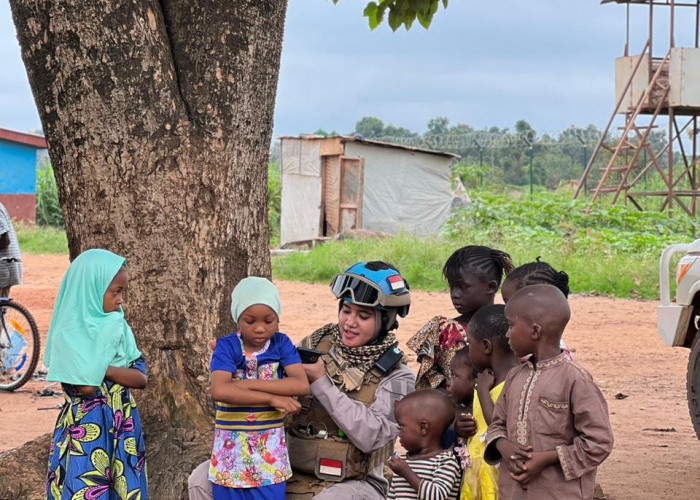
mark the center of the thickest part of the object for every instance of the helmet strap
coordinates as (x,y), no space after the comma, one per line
(383,317)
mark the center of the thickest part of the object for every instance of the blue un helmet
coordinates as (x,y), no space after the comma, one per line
(377,285)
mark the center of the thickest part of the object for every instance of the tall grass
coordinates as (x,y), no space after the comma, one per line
(41,239)
(612,251)
(48,208)
(416,258)
(421,260)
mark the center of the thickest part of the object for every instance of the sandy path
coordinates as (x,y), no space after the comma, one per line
(656,455)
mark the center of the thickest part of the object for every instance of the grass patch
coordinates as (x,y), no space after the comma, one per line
(418,260)
(421,260)
(612,251)
(41,239)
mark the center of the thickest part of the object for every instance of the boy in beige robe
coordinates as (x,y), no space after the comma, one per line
(550,429)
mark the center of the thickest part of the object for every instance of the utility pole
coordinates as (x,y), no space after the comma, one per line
(577,133)
(530,143)
(480,148)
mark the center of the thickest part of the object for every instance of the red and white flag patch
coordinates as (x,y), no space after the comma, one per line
(396,283)
(330,467)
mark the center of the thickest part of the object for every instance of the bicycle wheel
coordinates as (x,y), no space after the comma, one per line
(19,345)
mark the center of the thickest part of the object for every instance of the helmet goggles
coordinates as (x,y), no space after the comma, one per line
(364,292)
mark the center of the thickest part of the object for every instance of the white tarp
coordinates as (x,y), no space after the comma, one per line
(404,191)
(301,157)
(301,190)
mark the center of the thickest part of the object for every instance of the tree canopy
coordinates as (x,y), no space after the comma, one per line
(401,12)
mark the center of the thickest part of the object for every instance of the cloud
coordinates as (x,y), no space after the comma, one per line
(480,63)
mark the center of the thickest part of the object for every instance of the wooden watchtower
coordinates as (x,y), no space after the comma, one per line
(655,88)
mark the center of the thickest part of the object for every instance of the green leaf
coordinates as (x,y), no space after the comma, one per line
(380,12)
(370,13)
(395,19)
(409,17)
(424,20)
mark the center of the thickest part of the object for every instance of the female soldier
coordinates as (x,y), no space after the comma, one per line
(345,431)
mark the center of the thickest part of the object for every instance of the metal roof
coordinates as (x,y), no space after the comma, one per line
(362,140)
(35,141)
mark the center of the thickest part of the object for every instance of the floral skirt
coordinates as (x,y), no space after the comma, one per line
(97,450)
(249,459)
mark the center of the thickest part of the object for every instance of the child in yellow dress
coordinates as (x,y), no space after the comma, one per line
(492,357)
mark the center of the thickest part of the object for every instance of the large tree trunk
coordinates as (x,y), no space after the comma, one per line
(158,117)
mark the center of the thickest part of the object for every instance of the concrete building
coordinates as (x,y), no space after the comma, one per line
(18,162)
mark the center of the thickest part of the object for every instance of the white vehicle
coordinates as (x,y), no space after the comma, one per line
(677,321)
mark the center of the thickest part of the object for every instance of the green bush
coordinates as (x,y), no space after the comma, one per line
(612,251)
(547,217)
(274,202)
(48,208)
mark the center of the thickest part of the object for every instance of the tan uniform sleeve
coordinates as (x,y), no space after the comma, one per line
(368,428)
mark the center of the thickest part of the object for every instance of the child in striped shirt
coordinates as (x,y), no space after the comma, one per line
(428,472)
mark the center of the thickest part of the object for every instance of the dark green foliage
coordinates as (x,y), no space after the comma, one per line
(554,219)
(274,201)
(401,12)
(612,251)
(48,208)
(370,127)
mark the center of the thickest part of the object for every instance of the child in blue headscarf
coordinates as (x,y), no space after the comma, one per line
(249,458)
(97,447)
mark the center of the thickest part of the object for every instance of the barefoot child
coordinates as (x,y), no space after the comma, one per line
(428,472)
(249,458)
(473,274)
(550,428)
(492,358)
(97,448)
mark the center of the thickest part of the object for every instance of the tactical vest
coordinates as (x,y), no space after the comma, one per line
(318,448)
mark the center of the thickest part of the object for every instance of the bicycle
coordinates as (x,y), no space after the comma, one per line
(19,342)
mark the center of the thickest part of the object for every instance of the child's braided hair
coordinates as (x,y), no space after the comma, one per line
(488,264)
(539,272)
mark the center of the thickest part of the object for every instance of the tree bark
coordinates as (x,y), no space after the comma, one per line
(158,117)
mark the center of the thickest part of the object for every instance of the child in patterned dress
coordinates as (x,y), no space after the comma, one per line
(473,274)
(97,450)
(256,372)
(492,358)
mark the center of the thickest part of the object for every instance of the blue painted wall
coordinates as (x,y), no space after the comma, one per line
(17,168)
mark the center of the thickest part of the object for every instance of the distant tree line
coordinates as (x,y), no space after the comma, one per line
(500,156)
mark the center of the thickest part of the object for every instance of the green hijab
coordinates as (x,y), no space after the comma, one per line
(83,340)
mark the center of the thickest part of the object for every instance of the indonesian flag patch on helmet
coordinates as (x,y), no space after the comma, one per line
(396,283)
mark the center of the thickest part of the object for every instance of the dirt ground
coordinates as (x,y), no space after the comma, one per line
(656,454)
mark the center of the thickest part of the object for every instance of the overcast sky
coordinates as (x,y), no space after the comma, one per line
(483,63)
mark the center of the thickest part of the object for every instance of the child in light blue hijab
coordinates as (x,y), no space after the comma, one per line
(256,373)
(97,447)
